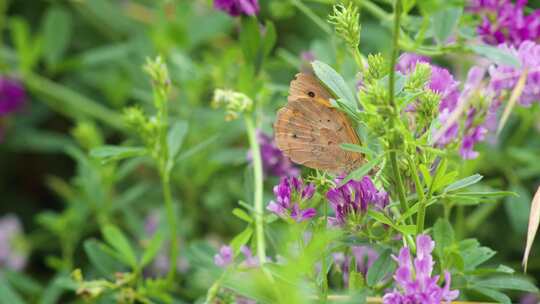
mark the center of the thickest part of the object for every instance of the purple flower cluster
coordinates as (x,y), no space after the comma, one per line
(225,257)
(291,193)
(13,254)
(274,162)
(364,257)
(353,199)
(505,22)
(414,281)
(238,7)
(443,83)
(504,78)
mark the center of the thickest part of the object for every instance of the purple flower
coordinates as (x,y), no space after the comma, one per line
(503,21)
(12,96)
(407,62)
(290,194)
(238,7)
(13,251)
(307,58)
(274,162)
(504,78)
(364,257)
(353,198)
(414,283)
(225,256)
(529,298)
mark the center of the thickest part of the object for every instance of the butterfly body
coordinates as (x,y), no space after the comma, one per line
(310,131)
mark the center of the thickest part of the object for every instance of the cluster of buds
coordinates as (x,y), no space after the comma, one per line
(233,102)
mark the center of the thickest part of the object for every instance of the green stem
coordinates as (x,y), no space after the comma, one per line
(258,193)
(395,111)
(171,219)
(421,197)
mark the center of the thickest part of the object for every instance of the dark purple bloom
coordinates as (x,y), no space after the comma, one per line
(414,283)
(353,199)
(503,21)
(12,96)
(364,257)
(529,298)
(274,162)
(13,251)
(238,7)
(291,193)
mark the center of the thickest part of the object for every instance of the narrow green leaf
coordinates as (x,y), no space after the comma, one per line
(518,208)
(507,282)
(464,182)
(241,214)
(153,248)
(175,137)
(494,294)
(362,171)
(241,239)
(115,153)
(117,240)
(57,30)
(270,38)
(496,54)
(334,82)
(444,22)
(476,256)
(381,268)
(357,148)
(100,259)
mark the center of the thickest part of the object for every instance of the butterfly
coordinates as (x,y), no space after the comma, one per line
(309,130)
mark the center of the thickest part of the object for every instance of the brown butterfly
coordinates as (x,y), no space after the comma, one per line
(309,130)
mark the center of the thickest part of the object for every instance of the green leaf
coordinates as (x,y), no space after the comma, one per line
(476,256)
(497,55)
(507,282)
(7,294)
(57,30)
(380,217)
(381,268)
(250,39)
(493,294)
(361,172)
(334,82)
(241,239)
(100,259)
(443,235)
(153,248)
(444,22)
(23,282)
(270,38)
(426,175)
(518,208)
(115,153)
(241,214)
(357,148)
(175,138)
(117,240)
(463,183)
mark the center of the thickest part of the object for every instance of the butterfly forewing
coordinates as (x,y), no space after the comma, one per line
(309,131)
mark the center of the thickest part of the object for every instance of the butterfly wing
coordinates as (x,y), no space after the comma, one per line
(310,133)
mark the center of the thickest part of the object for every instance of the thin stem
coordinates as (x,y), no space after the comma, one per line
(171,219)
(395,111)
(258,193)
(421,197)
